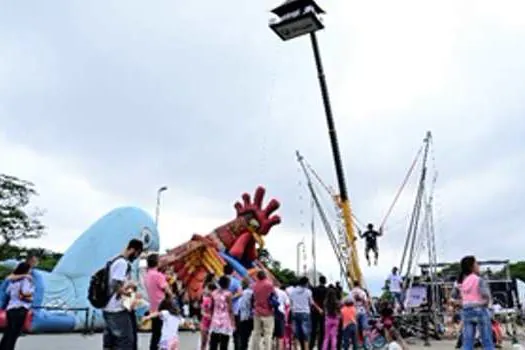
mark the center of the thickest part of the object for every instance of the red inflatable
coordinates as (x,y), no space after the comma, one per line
(194,260)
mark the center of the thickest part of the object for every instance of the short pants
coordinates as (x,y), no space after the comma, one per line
(278,330)
(302,326)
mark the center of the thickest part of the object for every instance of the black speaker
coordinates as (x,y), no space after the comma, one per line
(503,292)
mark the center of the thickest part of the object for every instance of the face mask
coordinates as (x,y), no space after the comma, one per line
(133,257)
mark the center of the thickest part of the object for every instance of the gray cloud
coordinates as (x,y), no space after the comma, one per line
(208,101)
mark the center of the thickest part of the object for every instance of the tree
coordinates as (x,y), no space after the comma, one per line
(17,220)
(283,275)
(517,270)
(265,257)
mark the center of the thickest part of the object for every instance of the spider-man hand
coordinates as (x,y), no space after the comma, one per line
(259,221)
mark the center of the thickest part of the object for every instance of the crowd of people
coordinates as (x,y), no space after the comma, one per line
(470,302)
(264,315)
(252,314)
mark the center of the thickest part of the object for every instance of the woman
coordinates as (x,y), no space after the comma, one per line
(473,294)
(222,319)
(20,294)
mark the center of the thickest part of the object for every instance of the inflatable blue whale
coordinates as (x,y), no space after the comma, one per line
(60,301)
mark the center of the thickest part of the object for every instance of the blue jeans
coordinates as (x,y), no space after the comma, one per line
(350,335)
(302,326)
(119,331)
(398,297)
(477,317)
(362,322)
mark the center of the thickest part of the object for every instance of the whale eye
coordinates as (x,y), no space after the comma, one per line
(146,237)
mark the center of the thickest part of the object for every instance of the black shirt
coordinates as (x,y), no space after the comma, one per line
(319,295)
(370,236)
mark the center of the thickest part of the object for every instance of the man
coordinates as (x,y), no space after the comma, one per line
(361,303)
(263,321)
(291,287)
(157,288)
(245,314)
(121,332)
(370,236)
(395,284)
(236,290)
(319,296)
(301,301)
(339,290)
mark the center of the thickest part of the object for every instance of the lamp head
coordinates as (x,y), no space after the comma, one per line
(296,18)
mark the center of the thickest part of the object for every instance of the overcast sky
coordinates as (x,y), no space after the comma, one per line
(102,102)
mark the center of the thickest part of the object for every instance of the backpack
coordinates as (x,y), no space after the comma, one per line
(99,286)
(273,301)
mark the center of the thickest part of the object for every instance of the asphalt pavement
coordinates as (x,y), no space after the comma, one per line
(92,342)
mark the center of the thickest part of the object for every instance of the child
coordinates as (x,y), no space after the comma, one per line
(349,318)
(497,333)
(169,313)
(206,312)
(133,299)
(473,294)
(288,329)
(386,312)
(331,322)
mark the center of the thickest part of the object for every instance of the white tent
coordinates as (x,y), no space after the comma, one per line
(520,286)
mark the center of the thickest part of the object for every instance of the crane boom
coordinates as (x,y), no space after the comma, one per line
(344,244)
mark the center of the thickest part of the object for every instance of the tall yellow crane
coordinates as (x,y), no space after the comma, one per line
(295,19)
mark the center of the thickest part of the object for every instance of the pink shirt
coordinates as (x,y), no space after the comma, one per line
(262,290)
(474,291)
(156,284)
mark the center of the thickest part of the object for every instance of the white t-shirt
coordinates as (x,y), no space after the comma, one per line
(289,290)
(170,326)
(395,283)
(360,299)
(301,299)
(283,299)
(118,271)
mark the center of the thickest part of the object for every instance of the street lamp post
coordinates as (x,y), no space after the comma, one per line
(157,207)
(297,18)
(300,246)
(314,248)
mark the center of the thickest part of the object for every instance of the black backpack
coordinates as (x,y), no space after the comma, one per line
(99,289)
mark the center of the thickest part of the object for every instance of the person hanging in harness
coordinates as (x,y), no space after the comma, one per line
(370,236)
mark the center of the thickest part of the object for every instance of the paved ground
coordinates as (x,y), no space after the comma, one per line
(93,342)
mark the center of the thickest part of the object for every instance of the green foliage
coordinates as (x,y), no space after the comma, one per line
(450,270)
(283,275)
(517,270)
(4,272)
(47,259)
(17,220)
